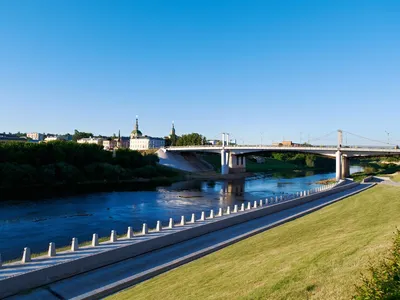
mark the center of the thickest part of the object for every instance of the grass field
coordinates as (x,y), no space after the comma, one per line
(319,256)
(396,178)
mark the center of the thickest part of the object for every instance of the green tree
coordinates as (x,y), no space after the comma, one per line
(191,140)
(80,135)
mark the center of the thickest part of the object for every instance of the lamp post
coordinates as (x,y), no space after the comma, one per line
(388,137)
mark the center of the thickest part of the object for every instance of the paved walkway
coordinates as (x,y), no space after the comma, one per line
(384,180)
(78,287)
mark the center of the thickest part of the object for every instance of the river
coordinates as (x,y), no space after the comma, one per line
(36,223)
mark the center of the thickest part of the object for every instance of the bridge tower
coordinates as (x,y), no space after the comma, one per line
(339,156)
(342,161)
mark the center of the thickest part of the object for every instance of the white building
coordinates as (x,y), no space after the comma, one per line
(91,140)
(140,142)
(35,136)
(54,138)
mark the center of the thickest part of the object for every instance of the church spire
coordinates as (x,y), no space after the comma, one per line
(137,123)
(173,129)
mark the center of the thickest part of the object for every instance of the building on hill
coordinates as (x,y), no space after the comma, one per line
(121,142)
(91,140)
(11,138)
(138,141)
(35,136)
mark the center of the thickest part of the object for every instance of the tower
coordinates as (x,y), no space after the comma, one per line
(136,132)
(173,138)
(119,139)
(173,129)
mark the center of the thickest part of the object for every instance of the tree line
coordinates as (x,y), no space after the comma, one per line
(56,162)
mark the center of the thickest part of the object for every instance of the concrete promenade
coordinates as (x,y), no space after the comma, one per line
(103,281)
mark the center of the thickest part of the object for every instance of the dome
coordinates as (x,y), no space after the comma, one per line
(136,132)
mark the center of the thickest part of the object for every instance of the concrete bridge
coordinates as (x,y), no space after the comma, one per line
(233,157)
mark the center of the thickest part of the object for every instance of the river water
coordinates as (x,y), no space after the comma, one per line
(36,223)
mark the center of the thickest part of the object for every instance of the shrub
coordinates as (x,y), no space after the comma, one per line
(383,282)
(15,174)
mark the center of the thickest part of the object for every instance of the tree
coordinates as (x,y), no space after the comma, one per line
(191,140)
(80,135)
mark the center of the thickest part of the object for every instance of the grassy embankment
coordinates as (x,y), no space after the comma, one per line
(396,177)
(375,167)
(319,256)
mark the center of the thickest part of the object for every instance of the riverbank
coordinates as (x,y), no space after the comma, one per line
(373,168)
(326,181)
(306,258)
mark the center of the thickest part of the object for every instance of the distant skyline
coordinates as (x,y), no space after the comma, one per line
(260,70)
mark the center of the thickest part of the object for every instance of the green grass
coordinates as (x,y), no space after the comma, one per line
(396,178)
(319,256)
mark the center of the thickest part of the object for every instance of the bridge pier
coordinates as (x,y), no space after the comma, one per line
(224,162)
(345,167)
(338,165)
(237,163)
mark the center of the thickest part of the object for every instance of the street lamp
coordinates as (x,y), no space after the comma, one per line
(388,136)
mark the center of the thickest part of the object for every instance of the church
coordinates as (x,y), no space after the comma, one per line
(139,141)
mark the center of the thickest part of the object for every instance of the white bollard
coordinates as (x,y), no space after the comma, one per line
(129,233)
(95,240)
(183,222)
(272,200)
(235,209)
(113,237)
(145,229)
(220,212)
(212,214)
(242,207)
(171,223)
(248,205)
(261,202)
(203,216)
(26,256)
(276,199)
(281,199)
(74,244)
(255,204)
(52,250)
(193,220)
(158,226)
(228,210)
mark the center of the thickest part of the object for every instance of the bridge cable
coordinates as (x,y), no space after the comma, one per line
(372,140)
(322,137)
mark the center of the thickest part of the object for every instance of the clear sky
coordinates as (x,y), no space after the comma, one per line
(256,69)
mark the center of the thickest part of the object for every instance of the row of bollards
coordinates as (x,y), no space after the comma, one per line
(26,256)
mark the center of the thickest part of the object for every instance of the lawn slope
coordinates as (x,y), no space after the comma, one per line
(319,256)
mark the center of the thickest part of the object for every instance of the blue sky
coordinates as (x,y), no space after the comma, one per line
(256,69)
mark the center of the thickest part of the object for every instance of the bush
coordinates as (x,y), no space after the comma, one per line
(383,282)
(12,174)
